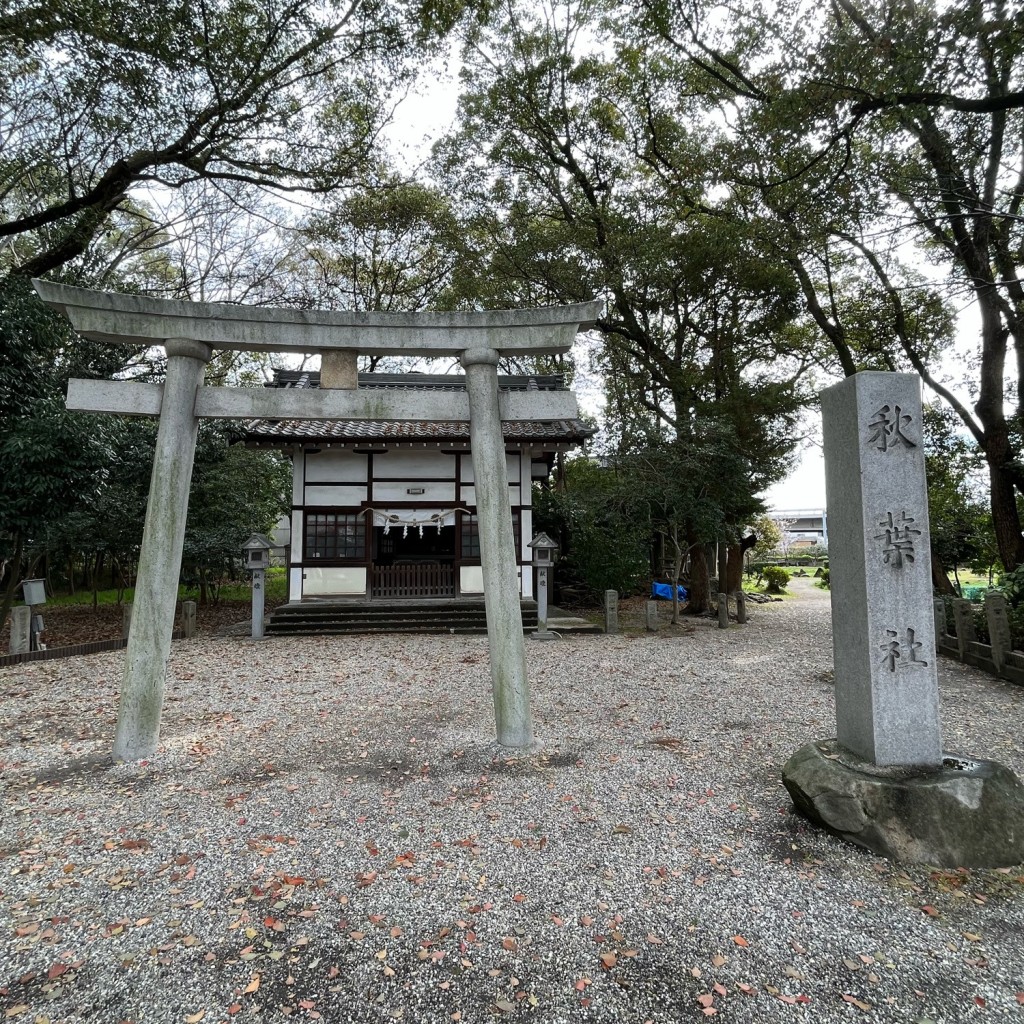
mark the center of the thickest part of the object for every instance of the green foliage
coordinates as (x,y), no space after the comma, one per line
(961,525)
(603,545)
(775,579)
(1012,585)
(236,491)
(769,537)
(824,579)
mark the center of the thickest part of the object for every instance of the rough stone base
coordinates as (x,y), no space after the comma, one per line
(967,813)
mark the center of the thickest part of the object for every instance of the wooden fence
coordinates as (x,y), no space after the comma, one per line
(424,580)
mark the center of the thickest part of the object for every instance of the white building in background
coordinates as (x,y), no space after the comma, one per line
(801,527)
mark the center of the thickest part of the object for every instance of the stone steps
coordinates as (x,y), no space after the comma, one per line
(335,617)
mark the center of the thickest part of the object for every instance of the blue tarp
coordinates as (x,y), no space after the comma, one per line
(665,590)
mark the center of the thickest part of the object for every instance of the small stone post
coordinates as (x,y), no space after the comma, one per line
(21,629)
(998,628)
(509,685)
(939,609)
(258,597)
(188,619)
(741,607)
(887,694)
(963,620)
(126,620)
(651,608)
(723,610)
(611,611)
(156,588)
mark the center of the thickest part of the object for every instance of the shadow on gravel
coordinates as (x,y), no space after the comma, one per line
(90,764)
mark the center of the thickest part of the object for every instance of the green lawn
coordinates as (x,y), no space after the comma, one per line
(277,589)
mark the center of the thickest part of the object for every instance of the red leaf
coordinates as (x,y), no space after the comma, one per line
(740,941)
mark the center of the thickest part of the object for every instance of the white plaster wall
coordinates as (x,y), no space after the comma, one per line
(336,465)
(339,580)
(385,492)
(294,584)
(346,494)
(471,579)
(296,536)
(415,464)
(526,518)
(297,476)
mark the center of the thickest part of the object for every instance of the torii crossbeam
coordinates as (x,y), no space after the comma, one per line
(191,331)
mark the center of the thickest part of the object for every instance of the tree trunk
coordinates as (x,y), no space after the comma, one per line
(699,602)
(940,581)
(13,578)
(1005,517)
(734,571)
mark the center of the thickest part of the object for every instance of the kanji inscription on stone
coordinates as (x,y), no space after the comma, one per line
(902,650)
(888,428)
(897,536)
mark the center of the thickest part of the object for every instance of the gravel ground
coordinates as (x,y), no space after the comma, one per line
(329,832)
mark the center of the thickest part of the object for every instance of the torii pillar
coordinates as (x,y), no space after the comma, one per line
(156,586)
(509,684)
(191,331)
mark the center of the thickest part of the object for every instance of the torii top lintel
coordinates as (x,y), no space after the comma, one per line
(139,319)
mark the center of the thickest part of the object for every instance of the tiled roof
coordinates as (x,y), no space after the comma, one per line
(409,430)
(305,431)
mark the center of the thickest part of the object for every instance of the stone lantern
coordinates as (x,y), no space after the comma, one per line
(256,558)
(544,549)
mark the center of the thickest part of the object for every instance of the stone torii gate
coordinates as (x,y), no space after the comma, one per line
(191,331)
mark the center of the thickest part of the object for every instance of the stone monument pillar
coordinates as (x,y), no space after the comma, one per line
(887,690)
(883,782)
(156,590)
(509,684)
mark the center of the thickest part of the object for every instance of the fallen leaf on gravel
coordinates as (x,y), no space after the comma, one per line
(979,1001)
(747,990)
(608,961)
(17,1009)
(706,999)
(195,1018)
(740,941)
(253,985)
(655,941)
(930,910)
(718,959)
(859,1003)
(972,936)
(696,972)
(1020,997)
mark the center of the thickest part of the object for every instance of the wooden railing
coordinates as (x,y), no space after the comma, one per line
(424,580)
